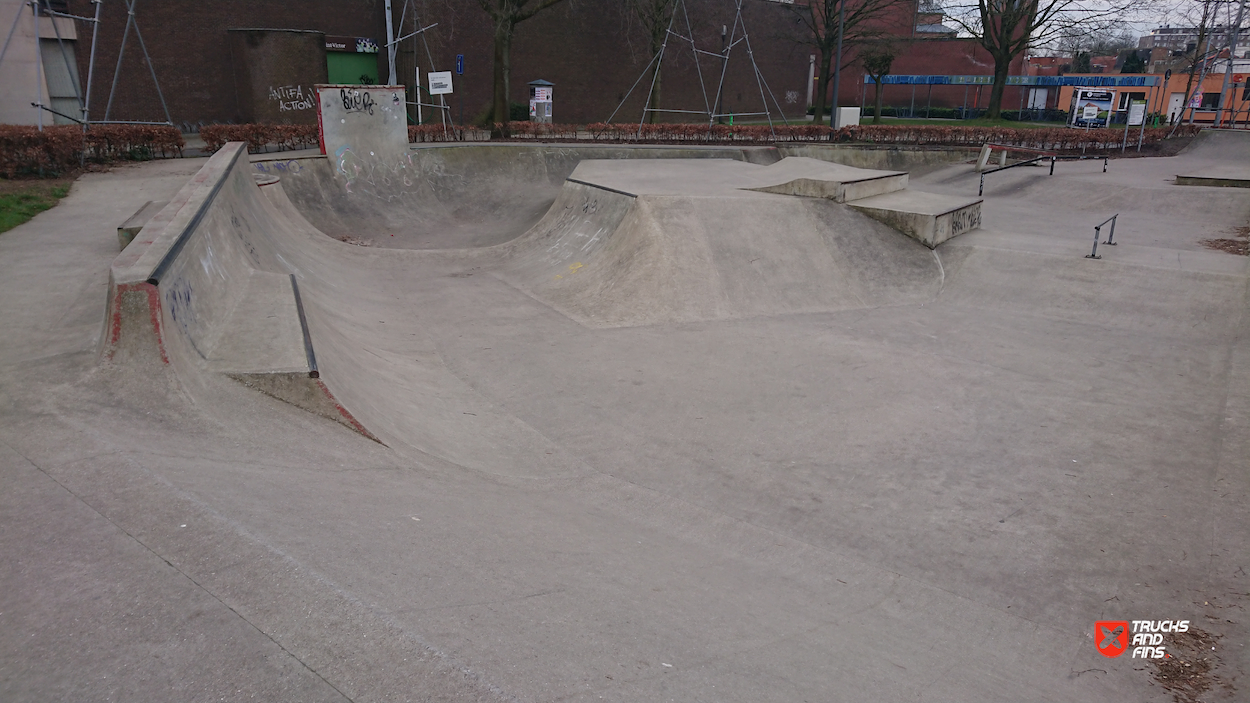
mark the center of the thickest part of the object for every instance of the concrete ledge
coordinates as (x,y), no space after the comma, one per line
(1214,181)
(926,217)
(131,227)
(840,191)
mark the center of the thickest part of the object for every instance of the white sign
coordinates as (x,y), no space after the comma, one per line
(1090,112)
(1136,113)
(440,82)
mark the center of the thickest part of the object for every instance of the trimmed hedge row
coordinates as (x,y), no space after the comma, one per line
(287,137)
(57,149)
(259,136)
(1057,139)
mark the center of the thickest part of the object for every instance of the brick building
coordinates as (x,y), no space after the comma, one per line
(242,60)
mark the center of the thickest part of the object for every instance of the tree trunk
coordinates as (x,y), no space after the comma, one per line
(658,79)
(876,114)
(822,88)
(1002,66)
(503,70)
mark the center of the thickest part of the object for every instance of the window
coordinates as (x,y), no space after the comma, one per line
(60,67)
(1210,101)
(1126,98)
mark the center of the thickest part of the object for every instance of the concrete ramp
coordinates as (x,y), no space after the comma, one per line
(607,257)
(453,196)
(1218,158)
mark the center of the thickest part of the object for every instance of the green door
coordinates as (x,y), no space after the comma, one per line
(353,69)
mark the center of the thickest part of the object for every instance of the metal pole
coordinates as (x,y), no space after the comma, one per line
(1093,254)
(95,32)
(981,188)
(12,29)
(1232,50)
(1111,235)
(151,68)
(38,68)
(811,69)
(720,97)
(390,45)
(835,118)
(1052,165)
(121,52)
(963,113)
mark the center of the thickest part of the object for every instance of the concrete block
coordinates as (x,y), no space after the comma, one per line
(126,233)
(929,218)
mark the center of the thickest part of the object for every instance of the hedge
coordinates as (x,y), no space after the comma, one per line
(259,137)
(61,148)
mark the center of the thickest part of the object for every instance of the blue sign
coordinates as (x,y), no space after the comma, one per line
(459,64)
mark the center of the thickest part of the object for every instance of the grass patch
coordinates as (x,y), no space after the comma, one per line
(21,200)
(978,122)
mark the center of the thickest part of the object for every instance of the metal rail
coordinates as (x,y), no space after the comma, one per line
(981,188)
(1052,157)
(1093,254)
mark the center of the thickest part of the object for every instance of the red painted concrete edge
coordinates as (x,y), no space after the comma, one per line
(347,416)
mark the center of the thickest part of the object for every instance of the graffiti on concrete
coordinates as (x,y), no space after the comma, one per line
(965,220)
(357,100)
(371,173)
(291,97)
(291,166)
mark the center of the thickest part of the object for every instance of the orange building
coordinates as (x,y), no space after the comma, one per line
(1169,99)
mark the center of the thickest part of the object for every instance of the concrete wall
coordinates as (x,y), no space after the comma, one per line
(274,74)
(17,71)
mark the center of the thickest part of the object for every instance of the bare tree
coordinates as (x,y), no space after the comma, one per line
(654,16)
(863,21)
(507,14)
(1006,28)
(877,59)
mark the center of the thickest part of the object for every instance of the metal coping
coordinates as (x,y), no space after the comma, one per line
(303,325)
(168,260)
(596,185)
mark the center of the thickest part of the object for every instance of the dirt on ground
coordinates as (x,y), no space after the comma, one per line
(1239,244)
(1190,672)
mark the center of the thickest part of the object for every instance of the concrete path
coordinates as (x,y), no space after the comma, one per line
(927,500)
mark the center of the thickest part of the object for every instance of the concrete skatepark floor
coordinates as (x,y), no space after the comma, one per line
(810,459)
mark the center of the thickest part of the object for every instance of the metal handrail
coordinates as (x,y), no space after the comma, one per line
(981,188)
(1093,254)
(1052,157)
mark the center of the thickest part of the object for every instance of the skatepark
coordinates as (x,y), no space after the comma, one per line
(609,422)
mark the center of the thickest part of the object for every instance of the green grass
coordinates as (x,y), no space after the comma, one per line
(26,199)
(979,122)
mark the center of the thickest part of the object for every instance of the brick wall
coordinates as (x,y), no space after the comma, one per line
(590,49)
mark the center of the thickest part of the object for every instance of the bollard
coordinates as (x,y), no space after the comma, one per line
(1052,165)
(1104,164)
